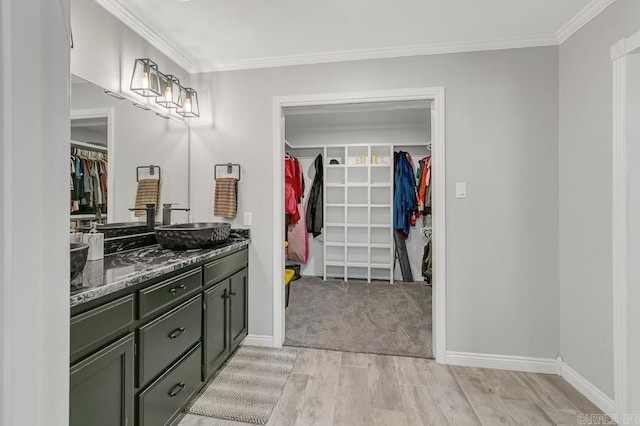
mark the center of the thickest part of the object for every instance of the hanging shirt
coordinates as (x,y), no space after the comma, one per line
(424,177)
(293,188)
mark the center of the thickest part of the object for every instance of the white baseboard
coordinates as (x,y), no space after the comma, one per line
(535,365)
(503,362)
(259,340)
(589,390)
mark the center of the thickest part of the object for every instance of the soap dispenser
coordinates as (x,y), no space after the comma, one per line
(96,243)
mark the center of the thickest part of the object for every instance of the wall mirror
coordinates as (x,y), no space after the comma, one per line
(117,142)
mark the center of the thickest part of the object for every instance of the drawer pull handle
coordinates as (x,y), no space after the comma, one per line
(176,389)
(175,333)
(232,293)
(225,295)
(175,290)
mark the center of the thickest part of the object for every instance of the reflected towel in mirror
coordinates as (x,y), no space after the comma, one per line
(148,193)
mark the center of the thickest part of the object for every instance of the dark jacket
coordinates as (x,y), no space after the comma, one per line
(315,203)
(404,200)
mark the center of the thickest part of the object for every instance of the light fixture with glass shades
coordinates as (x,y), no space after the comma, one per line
(146,79)
(189,98)
(170,92)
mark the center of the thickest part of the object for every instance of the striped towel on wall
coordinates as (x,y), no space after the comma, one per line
(148,193)
(225,203)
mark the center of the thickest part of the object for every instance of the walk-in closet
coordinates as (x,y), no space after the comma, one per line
(358,216)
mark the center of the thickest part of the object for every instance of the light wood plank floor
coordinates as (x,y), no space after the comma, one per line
(341,388)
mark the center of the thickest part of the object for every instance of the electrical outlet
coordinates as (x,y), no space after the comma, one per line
(247,218)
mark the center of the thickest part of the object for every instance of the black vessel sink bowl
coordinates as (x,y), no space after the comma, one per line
(78,255)
(118,229)
(189,236)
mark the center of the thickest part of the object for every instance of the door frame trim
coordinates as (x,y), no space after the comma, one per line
(619,222)
(435,94)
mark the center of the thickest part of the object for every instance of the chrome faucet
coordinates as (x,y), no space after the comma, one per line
(151,215)
(166,212)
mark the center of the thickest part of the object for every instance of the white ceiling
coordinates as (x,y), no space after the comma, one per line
(209,35)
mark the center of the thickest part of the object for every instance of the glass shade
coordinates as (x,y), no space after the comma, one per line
(189,106)
(170,92)
(146,78)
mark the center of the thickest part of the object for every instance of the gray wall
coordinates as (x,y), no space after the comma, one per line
(502,139)
(586,82)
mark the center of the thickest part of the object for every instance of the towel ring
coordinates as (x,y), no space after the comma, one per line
(151,169)
(230,167)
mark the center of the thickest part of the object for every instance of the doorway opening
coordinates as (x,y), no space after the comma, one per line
(356,274)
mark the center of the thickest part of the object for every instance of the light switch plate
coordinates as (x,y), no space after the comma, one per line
(461,190)
(247,218)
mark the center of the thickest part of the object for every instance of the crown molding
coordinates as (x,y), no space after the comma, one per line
(143,30)
(116,8)
(390,52)
(583,17)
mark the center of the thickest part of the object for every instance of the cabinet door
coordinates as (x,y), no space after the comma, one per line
(101,387)
(216,323)
(238,309)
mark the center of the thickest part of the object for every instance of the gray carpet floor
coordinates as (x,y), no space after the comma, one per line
(353,316)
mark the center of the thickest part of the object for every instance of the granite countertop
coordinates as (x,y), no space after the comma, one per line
(128,268)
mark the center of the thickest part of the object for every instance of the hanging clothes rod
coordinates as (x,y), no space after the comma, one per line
(88,145)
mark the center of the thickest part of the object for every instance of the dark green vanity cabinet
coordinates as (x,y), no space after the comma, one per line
(215,328)
(225,320)
(238,309)
(140,354)
(101,386)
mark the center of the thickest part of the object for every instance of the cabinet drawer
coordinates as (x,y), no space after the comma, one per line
(166,338)
(161,402)
(90,328)
(221,268)
(168,292)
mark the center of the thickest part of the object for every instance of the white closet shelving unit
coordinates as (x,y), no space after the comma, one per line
(358,212)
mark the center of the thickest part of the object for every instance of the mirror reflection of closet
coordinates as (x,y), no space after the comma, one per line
(112,128)
(89,151)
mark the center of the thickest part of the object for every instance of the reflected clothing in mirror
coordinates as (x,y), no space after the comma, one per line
(88,183)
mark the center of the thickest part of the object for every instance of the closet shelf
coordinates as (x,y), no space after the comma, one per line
(354,210)
(379,245)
